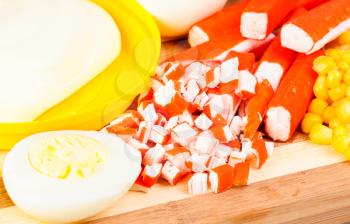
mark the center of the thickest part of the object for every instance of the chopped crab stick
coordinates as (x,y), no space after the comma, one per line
(151,174)
(256,107)
(219,24)
(291,100)
(204,143)
(171,173)
(262,17)
(178,157)
(218,50)
(215,162)
(312,31)
(139,185)
(222,133)
(154,155)
(197,162)
(198,184)
(258,144)
(159,135)
(139,146)
(241,174)
(221,178)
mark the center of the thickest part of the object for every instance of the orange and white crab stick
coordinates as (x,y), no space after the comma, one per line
(221,178)
(221,23)
(198,184)
(292,98)
(256,107)
(218,50)
(178,157)
(241,173)
(171,173)
(312,31)
(151,174)
(262,17)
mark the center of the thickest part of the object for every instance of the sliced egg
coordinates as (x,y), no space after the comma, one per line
(67,176)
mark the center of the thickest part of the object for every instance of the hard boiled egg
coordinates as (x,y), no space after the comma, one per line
(67,176)
(175,17)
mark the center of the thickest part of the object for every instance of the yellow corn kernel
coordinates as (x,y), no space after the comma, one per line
(341,143)
(343,66)
(340,130)
(346,57)
(343,111)
(348,91)
(335,53)
(344,38)
(320,88)
(346,77)
(321,134)
(338,102)
(317,106)
(335,123)
(323,64)
(338,92)
(328,114)
(309,121)
(334,78)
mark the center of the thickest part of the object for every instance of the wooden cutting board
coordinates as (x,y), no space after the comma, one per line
(301,183)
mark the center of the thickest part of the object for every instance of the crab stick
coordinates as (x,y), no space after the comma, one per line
(261,17)
(154,155)
(198,184)
(292,98)
(171,173)
(197,162)
(219,50)
(204,143)
(139,146)
(310,4)
(221,178)
(312,31)
(256,107)
(151,174)
(258,144)
(178,157)
(241,174)
(159,135)
(219,24)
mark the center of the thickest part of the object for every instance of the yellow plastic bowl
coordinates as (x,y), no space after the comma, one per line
(112,91)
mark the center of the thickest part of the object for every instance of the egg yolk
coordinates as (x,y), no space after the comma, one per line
(67,156)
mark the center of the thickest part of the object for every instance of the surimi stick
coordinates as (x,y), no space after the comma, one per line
(241,174)
(220,23)
(310,4)
(312,31)
(292,98)
(198,184)
(261,17)
(219,50)
(256,108)
(221,178)
(151,174)
(272,66)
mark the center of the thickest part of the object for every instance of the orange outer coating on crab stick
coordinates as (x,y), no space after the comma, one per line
(241,174)
(246,61)
(225,174)
(256,108)
(310,4)
(221,22)
(275,10)
(177,106)
(295,93)
(323,23)
(258,144)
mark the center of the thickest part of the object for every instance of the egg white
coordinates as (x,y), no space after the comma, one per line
(70,200)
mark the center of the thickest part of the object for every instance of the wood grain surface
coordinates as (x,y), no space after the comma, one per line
(315,196)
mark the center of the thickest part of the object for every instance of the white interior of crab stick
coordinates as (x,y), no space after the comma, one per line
(197,36)
(270,71)
(297,39)
(250,44)
(254,25)
(277,123)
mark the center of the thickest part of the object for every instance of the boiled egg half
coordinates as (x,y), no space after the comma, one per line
(67,176)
